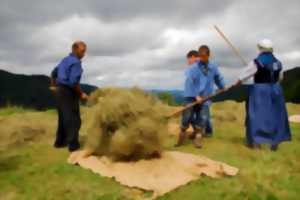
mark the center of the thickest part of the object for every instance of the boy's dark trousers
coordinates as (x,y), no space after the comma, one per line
(206,118)
(192,116)
(69,120)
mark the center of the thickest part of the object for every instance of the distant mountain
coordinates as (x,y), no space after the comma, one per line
(177,95)
(33,90)
(29,90)
(290,85)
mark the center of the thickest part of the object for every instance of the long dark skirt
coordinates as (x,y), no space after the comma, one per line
(267,118)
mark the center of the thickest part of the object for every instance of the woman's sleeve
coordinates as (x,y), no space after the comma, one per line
(248,71)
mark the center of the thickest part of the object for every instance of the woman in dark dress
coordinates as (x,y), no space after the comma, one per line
(266,118)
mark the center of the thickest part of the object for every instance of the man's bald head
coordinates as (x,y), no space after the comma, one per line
(79,49)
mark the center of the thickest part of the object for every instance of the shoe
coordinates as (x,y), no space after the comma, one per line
(197,141)
(208,135)
(74,147)
(198,138)
(192,136)
(257,146)
(60,145)
(253,146)
(274,147)
(181,138)
(250,145)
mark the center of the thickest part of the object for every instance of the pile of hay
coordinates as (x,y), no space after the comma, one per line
(26,128)
(126,124)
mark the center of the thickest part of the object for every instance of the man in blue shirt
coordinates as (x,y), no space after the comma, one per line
(200,80)
(65,82)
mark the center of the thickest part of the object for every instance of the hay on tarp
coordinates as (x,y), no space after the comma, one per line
(126,124)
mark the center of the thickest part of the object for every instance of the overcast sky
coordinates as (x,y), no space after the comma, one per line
(143,43)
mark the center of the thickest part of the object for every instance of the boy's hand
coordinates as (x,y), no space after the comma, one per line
(199,99)
(239,82)
(53,88)
(84,96)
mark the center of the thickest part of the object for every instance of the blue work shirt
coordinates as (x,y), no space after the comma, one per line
(68,72)
(200,80)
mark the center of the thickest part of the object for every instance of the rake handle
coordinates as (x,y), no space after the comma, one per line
(234,49)
(205,99)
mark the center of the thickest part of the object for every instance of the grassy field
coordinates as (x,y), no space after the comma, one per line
(31,169)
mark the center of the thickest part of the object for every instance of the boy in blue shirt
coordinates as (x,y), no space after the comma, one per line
(192,58)
(200,80)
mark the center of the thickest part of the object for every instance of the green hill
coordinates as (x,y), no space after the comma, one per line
(291,85)
(32,90)
(28,90)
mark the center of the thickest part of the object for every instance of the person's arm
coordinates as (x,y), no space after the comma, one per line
(53,78)
(52,82)
(199,88)
(189,84)
(83,96)
(78,90)
(247,72)
(75,76)
(281,76)
(219,79)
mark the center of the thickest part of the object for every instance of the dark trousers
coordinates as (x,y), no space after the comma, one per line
(69,120)
(197,116)
(209,126)
(192,116)
(205,119)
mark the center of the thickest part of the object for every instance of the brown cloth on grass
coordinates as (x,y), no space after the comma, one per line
(160,175)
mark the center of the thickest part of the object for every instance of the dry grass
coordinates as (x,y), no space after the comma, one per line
(32,169)
(25,127)
(126,124)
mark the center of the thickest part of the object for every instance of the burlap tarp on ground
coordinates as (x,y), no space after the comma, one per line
(127,126)
(160,175)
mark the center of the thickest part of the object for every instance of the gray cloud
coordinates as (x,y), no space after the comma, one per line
(144,43)
(39,11)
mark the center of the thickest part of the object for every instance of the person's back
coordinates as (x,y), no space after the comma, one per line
(268,68)
(192,81)
(69,71)
(211,76)
(266,114)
